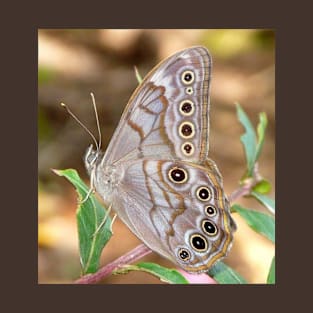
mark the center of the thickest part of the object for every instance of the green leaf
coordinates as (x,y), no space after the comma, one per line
(252,144)
(248,139)
(164,274)
(89,215)
(224,274)
(263,186)
(138,76)
(261,134)
(258,221)
(266,201)
(271,273)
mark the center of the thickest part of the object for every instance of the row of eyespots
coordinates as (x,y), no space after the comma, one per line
(197,241)
(187,108)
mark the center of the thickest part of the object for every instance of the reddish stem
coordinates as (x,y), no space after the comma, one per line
(241,192)
(132,256)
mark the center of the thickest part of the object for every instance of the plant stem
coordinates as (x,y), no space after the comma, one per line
(246,188)
(242,191)
(142,250)
(132,256)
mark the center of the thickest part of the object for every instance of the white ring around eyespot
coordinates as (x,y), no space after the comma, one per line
(214,208)
(192,107)
(174,181)
(189,91)
(192,77)
(208,189)
(188,258)
(204,230)
(202,237)
(192,130)
(192,148)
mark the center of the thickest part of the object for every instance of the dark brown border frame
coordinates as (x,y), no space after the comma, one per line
(19,251)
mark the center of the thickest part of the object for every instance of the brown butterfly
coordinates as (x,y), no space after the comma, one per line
(156,173)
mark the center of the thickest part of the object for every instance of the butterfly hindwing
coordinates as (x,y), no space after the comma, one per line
(176,208)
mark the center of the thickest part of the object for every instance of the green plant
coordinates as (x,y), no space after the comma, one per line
(90,214)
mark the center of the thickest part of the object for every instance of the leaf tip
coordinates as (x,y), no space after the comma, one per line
(138,76)
(56,171)
(238,106)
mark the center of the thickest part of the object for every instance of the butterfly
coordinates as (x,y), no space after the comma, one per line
(156,173)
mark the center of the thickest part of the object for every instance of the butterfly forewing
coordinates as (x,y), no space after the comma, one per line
(168,113)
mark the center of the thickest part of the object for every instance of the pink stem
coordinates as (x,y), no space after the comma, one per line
(241,191)
(132,256)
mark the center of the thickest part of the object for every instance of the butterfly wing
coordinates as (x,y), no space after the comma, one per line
(168,114)
(176,208)
(168,192)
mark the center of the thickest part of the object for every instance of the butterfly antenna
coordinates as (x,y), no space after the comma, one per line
(97,118)
(81,124)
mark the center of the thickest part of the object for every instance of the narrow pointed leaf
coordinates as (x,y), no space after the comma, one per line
(89,215)
(138,76)
(258,221)
(167,275)
(266,201)
(261,134)
(224,274)
(252,143)
(248,139)
(271,273)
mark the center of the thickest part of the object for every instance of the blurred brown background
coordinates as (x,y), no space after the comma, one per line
(73,63)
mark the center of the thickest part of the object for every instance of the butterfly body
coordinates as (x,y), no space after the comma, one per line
(156,173)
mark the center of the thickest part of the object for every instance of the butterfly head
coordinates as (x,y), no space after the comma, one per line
(91,158)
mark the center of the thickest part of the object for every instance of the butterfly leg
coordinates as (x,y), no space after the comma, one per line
(104,220)
(113,220)
(90,191)
(92,188)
